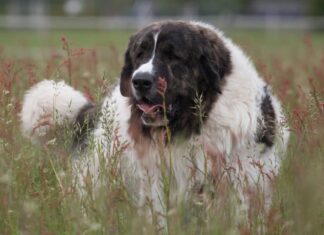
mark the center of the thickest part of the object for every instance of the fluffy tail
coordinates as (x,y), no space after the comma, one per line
(47,105)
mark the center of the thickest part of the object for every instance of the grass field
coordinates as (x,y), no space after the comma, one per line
(37,195)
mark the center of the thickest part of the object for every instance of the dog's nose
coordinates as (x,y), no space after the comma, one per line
(142,81)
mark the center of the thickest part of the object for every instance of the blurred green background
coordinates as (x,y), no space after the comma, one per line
(162,7)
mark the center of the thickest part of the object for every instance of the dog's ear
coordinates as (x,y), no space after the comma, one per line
(126,74)
(214,58)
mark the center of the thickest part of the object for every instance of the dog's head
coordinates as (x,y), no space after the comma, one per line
(168,65)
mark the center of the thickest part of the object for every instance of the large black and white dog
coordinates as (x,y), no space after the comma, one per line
(188,99)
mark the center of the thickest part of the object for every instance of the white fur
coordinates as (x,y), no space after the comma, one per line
(47,104)
(230,130)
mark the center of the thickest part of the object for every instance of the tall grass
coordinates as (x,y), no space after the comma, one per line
(37,191)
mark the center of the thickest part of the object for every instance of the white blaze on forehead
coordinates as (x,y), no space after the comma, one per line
(148,66)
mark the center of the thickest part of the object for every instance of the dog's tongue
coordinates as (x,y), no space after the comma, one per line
(149,109)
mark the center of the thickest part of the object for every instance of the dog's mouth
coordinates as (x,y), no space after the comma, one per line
(154,115)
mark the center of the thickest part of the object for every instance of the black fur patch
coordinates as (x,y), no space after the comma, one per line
(84,124)
(194,62)
(267,127)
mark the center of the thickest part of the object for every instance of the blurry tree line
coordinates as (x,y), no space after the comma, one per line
(317,7)
(158,8)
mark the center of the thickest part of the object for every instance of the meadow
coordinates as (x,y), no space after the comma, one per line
(37,194)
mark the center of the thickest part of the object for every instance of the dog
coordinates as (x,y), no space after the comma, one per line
(189,102)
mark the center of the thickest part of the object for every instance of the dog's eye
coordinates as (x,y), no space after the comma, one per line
(139,54)
(144,46)
(175,56)
(171,54)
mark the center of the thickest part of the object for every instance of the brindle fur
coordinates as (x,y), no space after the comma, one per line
(194,63)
